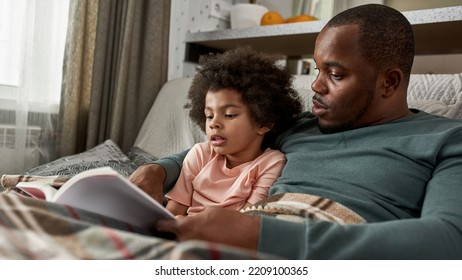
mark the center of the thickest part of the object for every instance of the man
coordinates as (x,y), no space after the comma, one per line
(398,168)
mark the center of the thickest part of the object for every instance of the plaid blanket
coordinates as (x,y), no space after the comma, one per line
(296,207)
(9,181)
(37,229)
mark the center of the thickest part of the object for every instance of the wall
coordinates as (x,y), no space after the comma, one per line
(441,64)
(409,5)
(425,64)
(194,15)
(189,16)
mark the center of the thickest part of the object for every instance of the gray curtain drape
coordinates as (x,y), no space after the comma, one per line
(115,63)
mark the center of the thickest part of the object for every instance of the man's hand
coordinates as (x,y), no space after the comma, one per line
(150,178)
(216,225)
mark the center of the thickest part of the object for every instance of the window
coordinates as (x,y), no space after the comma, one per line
(11,35)
(32,40)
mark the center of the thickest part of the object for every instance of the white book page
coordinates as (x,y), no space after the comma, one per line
(108,193)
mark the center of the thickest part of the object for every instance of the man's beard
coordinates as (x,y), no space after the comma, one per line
(349,124)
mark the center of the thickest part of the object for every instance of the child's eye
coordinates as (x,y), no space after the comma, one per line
(230,116)
(209,117)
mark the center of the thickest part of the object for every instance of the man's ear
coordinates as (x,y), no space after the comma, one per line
(393,79)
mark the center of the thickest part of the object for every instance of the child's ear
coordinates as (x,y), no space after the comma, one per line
(264,129)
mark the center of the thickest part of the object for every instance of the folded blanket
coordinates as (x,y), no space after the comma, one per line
(298,206)
(37,229)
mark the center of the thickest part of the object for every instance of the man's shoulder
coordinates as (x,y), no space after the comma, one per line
(421,123)
(422,117)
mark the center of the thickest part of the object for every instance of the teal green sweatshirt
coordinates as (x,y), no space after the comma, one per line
(404,177)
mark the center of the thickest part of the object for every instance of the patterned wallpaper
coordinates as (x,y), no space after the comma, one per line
(187,17)
(195,16)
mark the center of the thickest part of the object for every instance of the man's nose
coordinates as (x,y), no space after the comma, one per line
(318,86)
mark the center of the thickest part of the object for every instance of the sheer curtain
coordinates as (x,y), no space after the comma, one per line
(116,61)
(32,36)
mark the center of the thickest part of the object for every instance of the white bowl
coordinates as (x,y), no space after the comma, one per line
(247,15)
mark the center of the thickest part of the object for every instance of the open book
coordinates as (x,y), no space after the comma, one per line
(103,191)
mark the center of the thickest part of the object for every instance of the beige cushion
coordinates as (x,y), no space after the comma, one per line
(167,128)
(439,94)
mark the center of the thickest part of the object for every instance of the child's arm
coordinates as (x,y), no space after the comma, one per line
(180,196)
(177,208)
(270,172)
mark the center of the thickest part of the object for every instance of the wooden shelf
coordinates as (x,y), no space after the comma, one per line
(436,31)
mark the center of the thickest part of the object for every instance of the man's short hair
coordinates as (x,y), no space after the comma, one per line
(386,36)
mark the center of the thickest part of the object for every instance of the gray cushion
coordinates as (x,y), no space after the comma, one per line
(105,154)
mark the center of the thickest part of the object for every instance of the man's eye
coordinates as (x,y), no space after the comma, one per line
(336,76)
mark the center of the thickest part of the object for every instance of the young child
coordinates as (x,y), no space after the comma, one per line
(242,99)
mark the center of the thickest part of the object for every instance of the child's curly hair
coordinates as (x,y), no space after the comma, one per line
(265,86)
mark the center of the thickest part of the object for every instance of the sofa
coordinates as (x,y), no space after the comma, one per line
(37,229)
(439,94)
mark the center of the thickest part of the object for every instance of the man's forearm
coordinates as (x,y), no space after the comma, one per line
(172,167)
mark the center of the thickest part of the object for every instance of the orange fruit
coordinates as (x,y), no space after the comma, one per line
(300,18)
(271,17)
